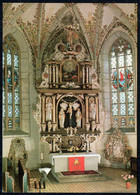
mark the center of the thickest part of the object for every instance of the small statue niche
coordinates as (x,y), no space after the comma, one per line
(92,109)
(61,118)
(78,115)
(48,109)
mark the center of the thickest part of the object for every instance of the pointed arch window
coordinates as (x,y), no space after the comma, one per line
(11,84)
(122,84)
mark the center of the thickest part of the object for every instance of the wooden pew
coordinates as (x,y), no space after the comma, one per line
(23,176)
(9,183)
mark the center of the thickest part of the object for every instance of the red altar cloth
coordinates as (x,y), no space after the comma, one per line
(76,163)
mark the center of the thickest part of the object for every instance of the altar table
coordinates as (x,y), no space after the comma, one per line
(60,162)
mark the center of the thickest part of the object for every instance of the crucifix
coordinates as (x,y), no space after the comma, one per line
(70,112)
(71,105)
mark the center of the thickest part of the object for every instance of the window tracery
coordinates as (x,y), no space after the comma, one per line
(11,84)
(122,84)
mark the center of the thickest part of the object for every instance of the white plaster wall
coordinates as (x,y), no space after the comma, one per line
(107,16)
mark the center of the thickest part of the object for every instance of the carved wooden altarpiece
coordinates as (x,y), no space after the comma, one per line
(69,94)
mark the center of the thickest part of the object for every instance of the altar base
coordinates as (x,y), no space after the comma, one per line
(79,178)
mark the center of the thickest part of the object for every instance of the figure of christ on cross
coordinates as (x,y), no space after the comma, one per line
(70,112)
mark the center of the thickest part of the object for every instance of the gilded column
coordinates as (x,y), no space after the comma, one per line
(87,99)
(57,74)
(43,114)
(87,114)
(87,74)
(53,109)
(83,74)
(50,73)
(54,119)
(54,74)
(43,109)
(97,109)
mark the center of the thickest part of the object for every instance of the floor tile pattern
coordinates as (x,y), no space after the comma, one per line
(117,184)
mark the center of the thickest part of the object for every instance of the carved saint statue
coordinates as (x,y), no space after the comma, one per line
(70,34)
(78,118)
(48,110)
(61,118)
(92,109)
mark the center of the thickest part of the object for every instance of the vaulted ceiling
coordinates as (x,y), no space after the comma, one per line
(38,21)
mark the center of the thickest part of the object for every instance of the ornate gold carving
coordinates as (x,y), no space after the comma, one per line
(45,77)
(117,148)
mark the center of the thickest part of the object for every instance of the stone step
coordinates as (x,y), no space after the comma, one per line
(79,178)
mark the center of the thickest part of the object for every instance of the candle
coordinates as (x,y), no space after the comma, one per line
(41,156)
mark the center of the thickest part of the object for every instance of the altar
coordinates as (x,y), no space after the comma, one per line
(61,162)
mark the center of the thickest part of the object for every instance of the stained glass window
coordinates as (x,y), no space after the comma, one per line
(3,110)
(10,98)
(122,97)
(131,109)
(114,98)
(11,84)
(9,58)
(114,109)
(123,122)
(131,122)
(122,87)
(115,121)
(122,110)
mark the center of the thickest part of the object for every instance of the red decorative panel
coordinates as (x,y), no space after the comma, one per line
(76,163)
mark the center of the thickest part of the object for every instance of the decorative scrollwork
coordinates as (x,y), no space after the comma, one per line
(117,148)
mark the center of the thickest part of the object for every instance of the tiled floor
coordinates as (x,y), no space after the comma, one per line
(117,184)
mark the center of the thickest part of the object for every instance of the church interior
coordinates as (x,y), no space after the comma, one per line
(69,97)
